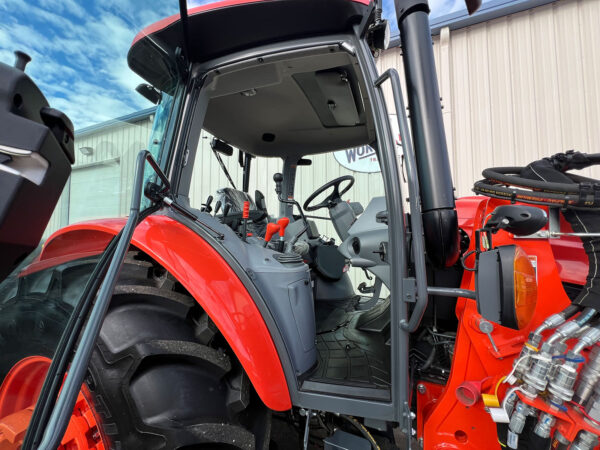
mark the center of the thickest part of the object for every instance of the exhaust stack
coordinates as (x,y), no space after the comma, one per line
(440,222)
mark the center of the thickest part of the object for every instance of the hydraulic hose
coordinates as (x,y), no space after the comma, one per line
(362,429)
(557,319)
(535,442)
(570,328)
(590,337)
(585,316)
(523,362)
(545,182)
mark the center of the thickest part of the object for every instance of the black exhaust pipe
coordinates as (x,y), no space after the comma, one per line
(440,222)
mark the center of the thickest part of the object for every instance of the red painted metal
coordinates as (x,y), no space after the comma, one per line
(167,21)
(569,422)
(18,395)
(283,223)
(22,385)
(568,252)
(272,228)
(449,424)
(208,278)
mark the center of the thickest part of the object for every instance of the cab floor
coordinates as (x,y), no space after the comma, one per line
(353,357)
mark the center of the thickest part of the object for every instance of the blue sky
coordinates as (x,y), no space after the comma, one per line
(79,49)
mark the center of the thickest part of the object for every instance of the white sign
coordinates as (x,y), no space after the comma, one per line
(364,159)
(359,159)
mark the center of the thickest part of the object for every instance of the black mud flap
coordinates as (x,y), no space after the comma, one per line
(36,153)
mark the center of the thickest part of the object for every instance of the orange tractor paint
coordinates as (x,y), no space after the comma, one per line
(204,274)
(19,393)
(234,323)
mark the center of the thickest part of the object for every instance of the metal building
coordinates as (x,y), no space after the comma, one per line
(518,81)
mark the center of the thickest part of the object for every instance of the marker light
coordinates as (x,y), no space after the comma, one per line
(506,286)
(524,287)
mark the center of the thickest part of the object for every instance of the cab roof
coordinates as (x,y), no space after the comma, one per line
(228,26)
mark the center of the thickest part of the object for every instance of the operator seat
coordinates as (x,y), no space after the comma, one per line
(235,199)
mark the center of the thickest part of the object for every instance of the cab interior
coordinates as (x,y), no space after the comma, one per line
(267,123)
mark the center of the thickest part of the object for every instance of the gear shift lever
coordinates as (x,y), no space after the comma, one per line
(278,179)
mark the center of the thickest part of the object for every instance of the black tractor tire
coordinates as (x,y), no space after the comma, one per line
(34,310)
(162,376)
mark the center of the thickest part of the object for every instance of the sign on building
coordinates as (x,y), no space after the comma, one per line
(364,159)
(358,159)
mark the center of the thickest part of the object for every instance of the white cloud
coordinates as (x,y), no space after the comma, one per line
(65,7)
(79,54)
(79,49)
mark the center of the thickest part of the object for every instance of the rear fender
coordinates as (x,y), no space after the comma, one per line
(208,278)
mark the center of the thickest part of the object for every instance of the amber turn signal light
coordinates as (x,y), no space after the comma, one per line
(506,286)
(524,287)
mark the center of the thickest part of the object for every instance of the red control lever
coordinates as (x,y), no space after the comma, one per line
(283,223)
(272,228)
(245,215)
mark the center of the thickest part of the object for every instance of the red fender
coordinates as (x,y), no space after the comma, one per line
(205,274)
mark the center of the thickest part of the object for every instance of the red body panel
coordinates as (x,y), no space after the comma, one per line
(447,423)
(164,23)
(568,251)
(206,275)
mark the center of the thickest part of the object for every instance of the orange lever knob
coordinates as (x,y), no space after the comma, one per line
(283,223)
(272,228)
(246,210)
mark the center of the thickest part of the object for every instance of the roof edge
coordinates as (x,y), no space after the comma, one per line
(128,118)
(489,11)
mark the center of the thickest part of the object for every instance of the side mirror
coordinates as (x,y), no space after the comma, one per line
(506,286)
(36,153)
(149,92)
(520,220)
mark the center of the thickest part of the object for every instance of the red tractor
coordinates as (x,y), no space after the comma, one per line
(235,324)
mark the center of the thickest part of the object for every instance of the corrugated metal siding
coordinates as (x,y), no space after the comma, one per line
(122,142)
(518,88)
(513,89)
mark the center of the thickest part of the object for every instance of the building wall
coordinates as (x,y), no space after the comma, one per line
(513,89)
(519,87)
(116,146)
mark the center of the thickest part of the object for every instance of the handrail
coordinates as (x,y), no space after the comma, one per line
(416,221)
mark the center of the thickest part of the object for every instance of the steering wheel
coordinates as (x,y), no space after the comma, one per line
(332,198)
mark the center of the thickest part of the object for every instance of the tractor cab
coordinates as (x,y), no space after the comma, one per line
(264,123)
(260,277)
